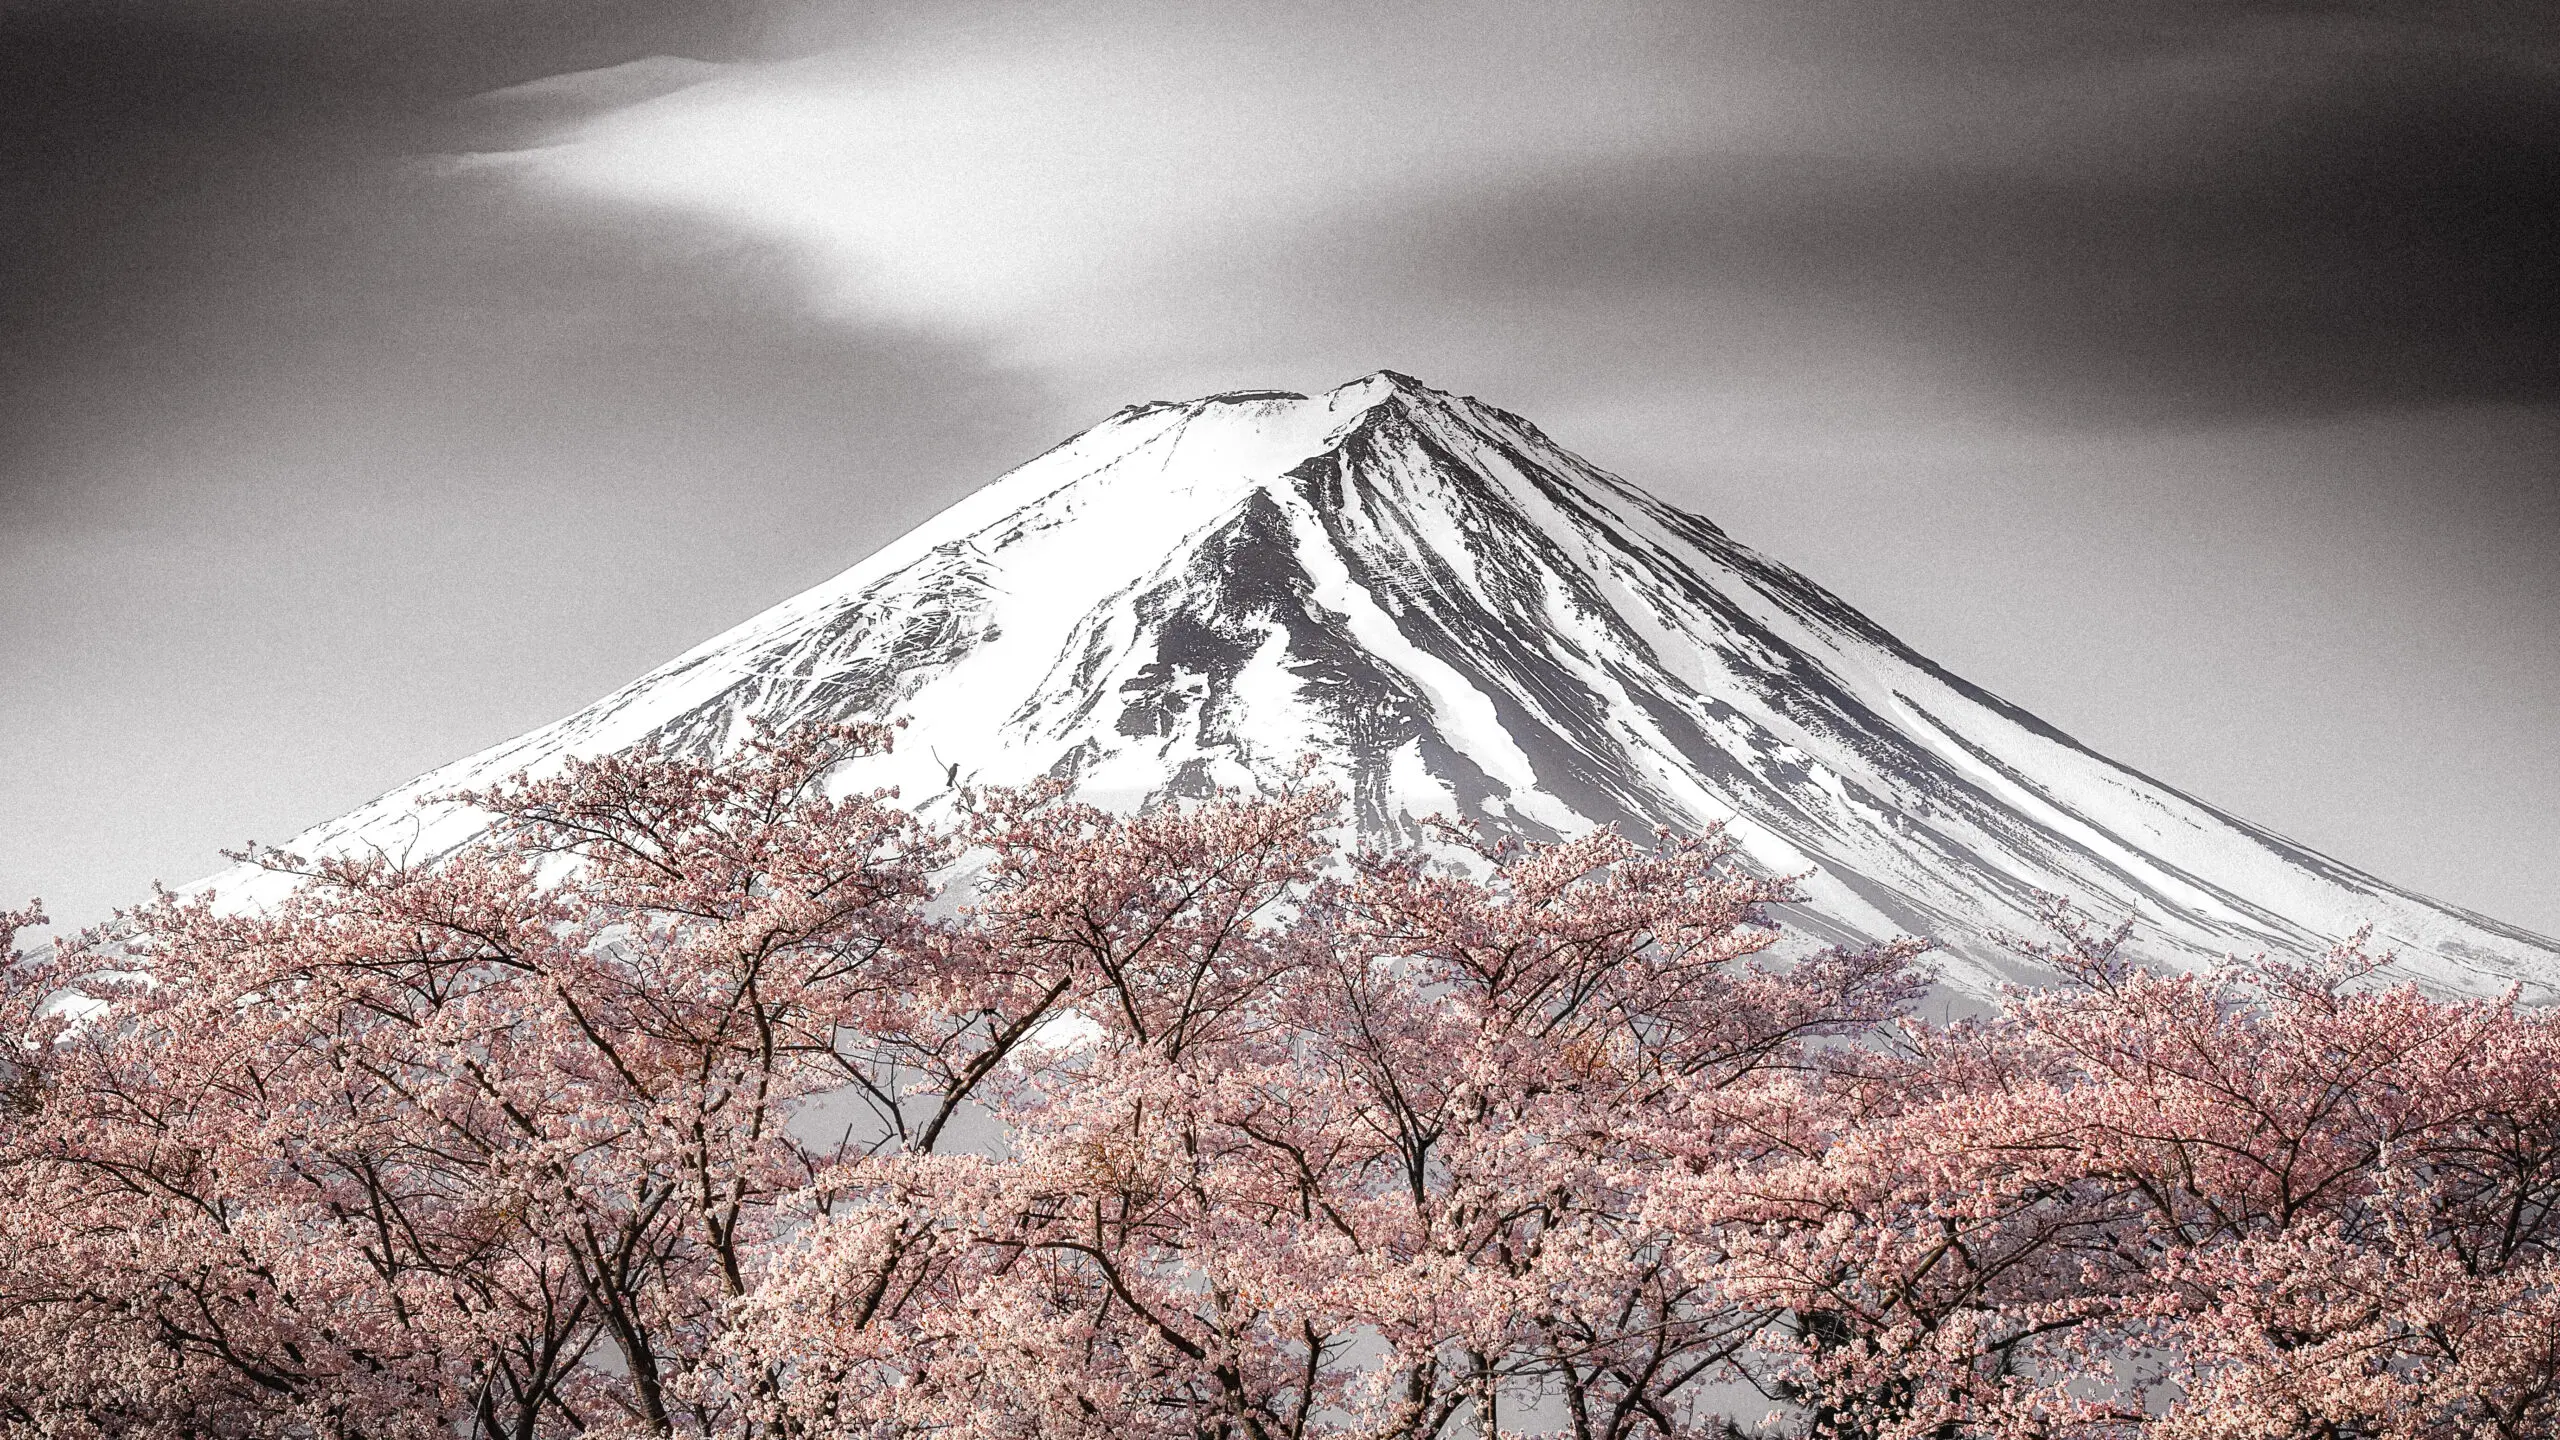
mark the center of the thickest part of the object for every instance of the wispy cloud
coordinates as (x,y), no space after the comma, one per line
(2162,211)
(1022,180)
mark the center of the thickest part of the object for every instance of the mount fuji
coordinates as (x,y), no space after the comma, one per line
(1457,616)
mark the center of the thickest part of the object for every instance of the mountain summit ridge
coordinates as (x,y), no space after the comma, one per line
(1457,615)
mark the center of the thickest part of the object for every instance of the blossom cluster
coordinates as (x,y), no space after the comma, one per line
(700,1097)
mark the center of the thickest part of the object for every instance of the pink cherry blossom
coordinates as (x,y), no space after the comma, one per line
(701,1097)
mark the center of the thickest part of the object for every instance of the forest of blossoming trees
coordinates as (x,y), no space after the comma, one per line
(695,1100)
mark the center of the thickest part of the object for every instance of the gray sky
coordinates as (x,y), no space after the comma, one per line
(376,385)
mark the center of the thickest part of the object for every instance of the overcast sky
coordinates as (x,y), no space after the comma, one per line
(377,382)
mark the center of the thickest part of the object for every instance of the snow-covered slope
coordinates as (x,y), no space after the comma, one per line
(1459,616)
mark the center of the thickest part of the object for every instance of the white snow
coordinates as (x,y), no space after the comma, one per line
(1828,749)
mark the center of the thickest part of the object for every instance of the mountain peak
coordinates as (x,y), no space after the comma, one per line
(1381,382)
(1456,616)
(1350,397)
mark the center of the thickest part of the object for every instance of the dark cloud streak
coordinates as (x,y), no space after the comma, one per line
(2392,240)
(159,161)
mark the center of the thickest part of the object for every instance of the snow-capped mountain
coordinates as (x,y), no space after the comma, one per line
(1459,616)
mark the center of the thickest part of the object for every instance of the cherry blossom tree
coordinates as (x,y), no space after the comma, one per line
(495,1140)
(2267,1200)
(2350,1187)
(700,1096)
(1348,1154)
